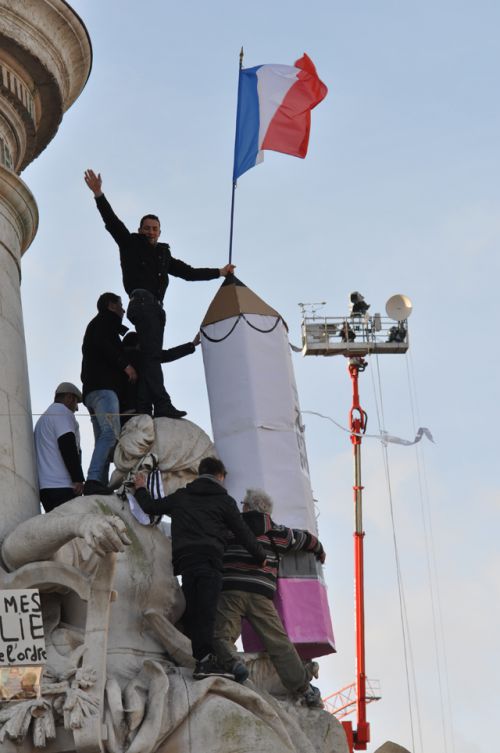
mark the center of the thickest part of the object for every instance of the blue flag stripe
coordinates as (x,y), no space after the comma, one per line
(246,144)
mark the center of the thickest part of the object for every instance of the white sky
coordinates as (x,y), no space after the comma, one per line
(399,194)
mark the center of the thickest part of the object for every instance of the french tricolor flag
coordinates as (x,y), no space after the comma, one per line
(274,111)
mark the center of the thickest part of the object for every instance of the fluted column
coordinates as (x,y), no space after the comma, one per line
(18,484)
(45,60)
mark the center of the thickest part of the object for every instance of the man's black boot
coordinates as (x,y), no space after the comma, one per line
(170,412)
(93,486)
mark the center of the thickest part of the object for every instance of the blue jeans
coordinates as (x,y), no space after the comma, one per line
(104,410)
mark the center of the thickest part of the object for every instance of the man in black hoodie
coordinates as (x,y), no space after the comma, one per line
(105,371)
(202,514)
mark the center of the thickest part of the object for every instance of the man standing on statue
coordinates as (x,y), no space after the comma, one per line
(106,370)
(57,448)
(146,265)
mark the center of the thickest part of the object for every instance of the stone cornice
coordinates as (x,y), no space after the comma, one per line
(51,48)
(19,208)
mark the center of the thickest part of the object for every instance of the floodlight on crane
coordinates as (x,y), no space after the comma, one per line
(398,308)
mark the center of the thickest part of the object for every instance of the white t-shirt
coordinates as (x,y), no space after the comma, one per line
(56,421)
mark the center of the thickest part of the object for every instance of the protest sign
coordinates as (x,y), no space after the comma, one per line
(22,640)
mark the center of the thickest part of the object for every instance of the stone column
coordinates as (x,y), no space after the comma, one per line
(18,484)
(45,60)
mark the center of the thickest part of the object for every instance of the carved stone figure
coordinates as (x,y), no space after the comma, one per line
(119,671)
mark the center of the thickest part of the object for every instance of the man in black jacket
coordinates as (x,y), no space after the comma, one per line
(146,265)
(202,513)
(105,371)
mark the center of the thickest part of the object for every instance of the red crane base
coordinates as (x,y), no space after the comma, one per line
(357,739)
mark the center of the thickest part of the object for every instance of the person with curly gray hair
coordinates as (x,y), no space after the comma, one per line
(257,499)
(248,590)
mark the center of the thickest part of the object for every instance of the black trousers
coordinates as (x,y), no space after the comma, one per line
(148,316)
(51,498)
(201,585)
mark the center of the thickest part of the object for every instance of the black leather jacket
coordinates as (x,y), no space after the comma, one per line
(104,357)
(143,265)
(202,515)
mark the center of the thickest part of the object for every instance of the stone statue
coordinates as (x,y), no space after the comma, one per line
(119,670)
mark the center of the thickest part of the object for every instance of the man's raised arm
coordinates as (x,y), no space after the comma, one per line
(94,182)
(113,224)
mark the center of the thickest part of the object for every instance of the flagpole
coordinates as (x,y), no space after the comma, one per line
(234,181)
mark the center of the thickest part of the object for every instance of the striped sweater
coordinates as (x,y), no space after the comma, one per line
(240,571)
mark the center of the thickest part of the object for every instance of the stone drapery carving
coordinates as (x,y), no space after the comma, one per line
(178,445)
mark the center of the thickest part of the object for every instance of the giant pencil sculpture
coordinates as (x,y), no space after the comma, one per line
(259,435)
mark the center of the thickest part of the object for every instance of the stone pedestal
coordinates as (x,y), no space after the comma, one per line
(390,747)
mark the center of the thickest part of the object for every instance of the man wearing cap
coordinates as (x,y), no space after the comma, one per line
(57,448)
(146,265)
